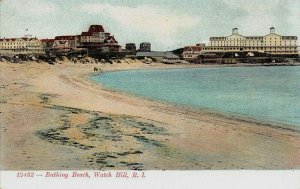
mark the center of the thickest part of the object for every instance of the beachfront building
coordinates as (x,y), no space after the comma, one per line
(191,53)
(97,38)
(145,47)
(111,45)
(170,58)
(271,43)
(154,55)
(47,44)
(65,43)
(130,47)
(93,38)
(159,56)
(22,45)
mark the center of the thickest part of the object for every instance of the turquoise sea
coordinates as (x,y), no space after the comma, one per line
(263,93)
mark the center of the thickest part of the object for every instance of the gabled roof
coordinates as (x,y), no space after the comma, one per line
(236,34)
(272,34)
(110,38)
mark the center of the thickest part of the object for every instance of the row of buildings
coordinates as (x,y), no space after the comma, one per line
(144,47)
(97,41)
(271,44)
(94,38)
(19,45)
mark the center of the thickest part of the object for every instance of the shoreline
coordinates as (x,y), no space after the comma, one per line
(57,118)
(226,115)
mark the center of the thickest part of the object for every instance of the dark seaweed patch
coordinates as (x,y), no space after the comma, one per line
(105,128)
(70,109)
(46,98)
(54,136)
(147,140)
(145,128)
(109,159)
(3,101)
(133,165)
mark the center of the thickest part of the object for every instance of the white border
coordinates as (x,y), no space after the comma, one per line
(289,179)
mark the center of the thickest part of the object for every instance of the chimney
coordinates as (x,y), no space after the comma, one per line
(235,31)
(272,30)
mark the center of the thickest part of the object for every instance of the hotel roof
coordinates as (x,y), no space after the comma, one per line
(47,40)
(194,48)
(14,39)
(254,37)
(96,29)
(66,37)
(151,54)
(93,29)
(86,34)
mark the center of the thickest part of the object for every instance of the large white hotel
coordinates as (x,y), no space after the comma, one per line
(271,43)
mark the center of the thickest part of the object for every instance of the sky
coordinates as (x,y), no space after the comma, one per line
(166,24)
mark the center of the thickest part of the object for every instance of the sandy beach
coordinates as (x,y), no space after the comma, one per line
(54,118)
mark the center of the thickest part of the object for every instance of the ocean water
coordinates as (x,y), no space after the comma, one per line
(263,93)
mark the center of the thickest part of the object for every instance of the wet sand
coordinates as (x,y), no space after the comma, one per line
(54,118)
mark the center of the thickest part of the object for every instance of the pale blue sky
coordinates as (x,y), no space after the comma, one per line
(167,24)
